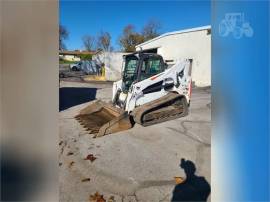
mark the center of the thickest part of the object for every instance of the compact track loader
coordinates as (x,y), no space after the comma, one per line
(148,93)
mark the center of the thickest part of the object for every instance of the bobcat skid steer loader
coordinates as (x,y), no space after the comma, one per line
(148,93)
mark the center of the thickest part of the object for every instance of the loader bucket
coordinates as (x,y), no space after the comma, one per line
(100,118)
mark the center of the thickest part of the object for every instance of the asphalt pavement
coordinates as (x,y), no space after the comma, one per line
(135,165)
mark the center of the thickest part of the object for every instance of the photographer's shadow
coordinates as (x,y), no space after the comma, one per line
(194,188)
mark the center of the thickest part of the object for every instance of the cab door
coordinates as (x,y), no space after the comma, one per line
(150,84)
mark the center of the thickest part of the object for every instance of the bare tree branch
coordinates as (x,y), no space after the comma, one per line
(104,41)
(88,42)
(63,35)
(130,38)
(150,30)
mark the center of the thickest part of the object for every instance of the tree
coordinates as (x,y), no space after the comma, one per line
(88,42)
(63,35)
(150,30)
(130,38)
(104,41)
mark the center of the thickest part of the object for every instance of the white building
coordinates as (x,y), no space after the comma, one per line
(113,63)
(190,44)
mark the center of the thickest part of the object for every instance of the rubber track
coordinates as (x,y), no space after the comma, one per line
(139,112)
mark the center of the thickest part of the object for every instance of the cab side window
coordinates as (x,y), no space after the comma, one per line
(150,67)
(154,66)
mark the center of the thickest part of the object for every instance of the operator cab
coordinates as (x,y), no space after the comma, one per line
(139,66)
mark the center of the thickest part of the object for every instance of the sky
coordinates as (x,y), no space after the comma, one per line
(90,17)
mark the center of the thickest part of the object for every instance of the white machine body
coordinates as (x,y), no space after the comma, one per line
(176,79)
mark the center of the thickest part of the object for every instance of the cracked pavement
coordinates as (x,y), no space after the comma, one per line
(135,165)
